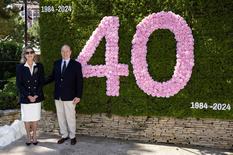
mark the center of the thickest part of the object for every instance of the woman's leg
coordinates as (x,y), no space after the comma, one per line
(34,129)
(27,127)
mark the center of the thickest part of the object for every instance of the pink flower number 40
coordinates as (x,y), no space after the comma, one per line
(112,70)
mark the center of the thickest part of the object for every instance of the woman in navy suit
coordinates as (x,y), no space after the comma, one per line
(29,81)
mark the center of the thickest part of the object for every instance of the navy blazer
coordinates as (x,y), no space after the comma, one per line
(69,85)
(30,85)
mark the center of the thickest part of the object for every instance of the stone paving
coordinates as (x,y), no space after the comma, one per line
(87,145)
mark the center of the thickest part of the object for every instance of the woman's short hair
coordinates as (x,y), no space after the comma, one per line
(23,58)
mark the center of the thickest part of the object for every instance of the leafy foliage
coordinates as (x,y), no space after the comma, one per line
(11,26)
(9,56)
(8,96)
(34,32)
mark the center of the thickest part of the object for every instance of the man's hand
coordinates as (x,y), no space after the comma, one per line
(76,100)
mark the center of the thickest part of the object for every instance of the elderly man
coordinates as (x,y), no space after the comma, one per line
(67,74)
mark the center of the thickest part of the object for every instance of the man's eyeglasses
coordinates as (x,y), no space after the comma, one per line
(29,52)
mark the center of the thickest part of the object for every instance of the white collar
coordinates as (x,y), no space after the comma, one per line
(67,60)
(27,65)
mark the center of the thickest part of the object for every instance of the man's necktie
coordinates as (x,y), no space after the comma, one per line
(63,68)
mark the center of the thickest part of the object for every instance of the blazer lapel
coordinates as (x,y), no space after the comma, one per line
(67,67)
(59,67)
(27,71)
(69,64)
(35,70)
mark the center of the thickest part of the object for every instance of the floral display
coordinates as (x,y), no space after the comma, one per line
(184,54)
(107,28)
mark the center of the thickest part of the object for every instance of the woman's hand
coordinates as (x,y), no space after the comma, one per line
(31,99)
(35,97)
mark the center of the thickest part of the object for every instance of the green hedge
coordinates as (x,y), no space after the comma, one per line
(9,56)
(9,96)
(212,77)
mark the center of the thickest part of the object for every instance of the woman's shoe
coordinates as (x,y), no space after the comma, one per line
(28,143)
(34,140)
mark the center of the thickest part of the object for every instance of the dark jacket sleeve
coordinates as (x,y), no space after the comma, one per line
(79,81)
(51,77)
(19,82)
(41,80)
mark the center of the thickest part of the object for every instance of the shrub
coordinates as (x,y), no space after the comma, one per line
(8,96)
(9,56)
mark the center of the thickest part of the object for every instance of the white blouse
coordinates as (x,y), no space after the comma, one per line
(31,69)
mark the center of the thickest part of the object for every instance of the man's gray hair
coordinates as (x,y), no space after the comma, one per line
(66,46)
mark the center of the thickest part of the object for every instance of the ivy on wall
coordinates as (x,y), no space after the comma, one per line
(212,76)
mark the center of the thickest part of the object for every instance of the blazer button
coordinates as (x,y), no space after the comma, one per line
(34,87)
(29,87)
(61,79)
(35,81)
(28,81)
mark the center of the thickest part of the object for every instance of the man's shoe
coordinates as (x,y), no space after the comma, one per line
(73,141)
(62,140)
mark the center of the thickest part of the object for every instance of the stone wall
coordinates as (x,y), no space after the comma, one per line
(8,116)
(190,131)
